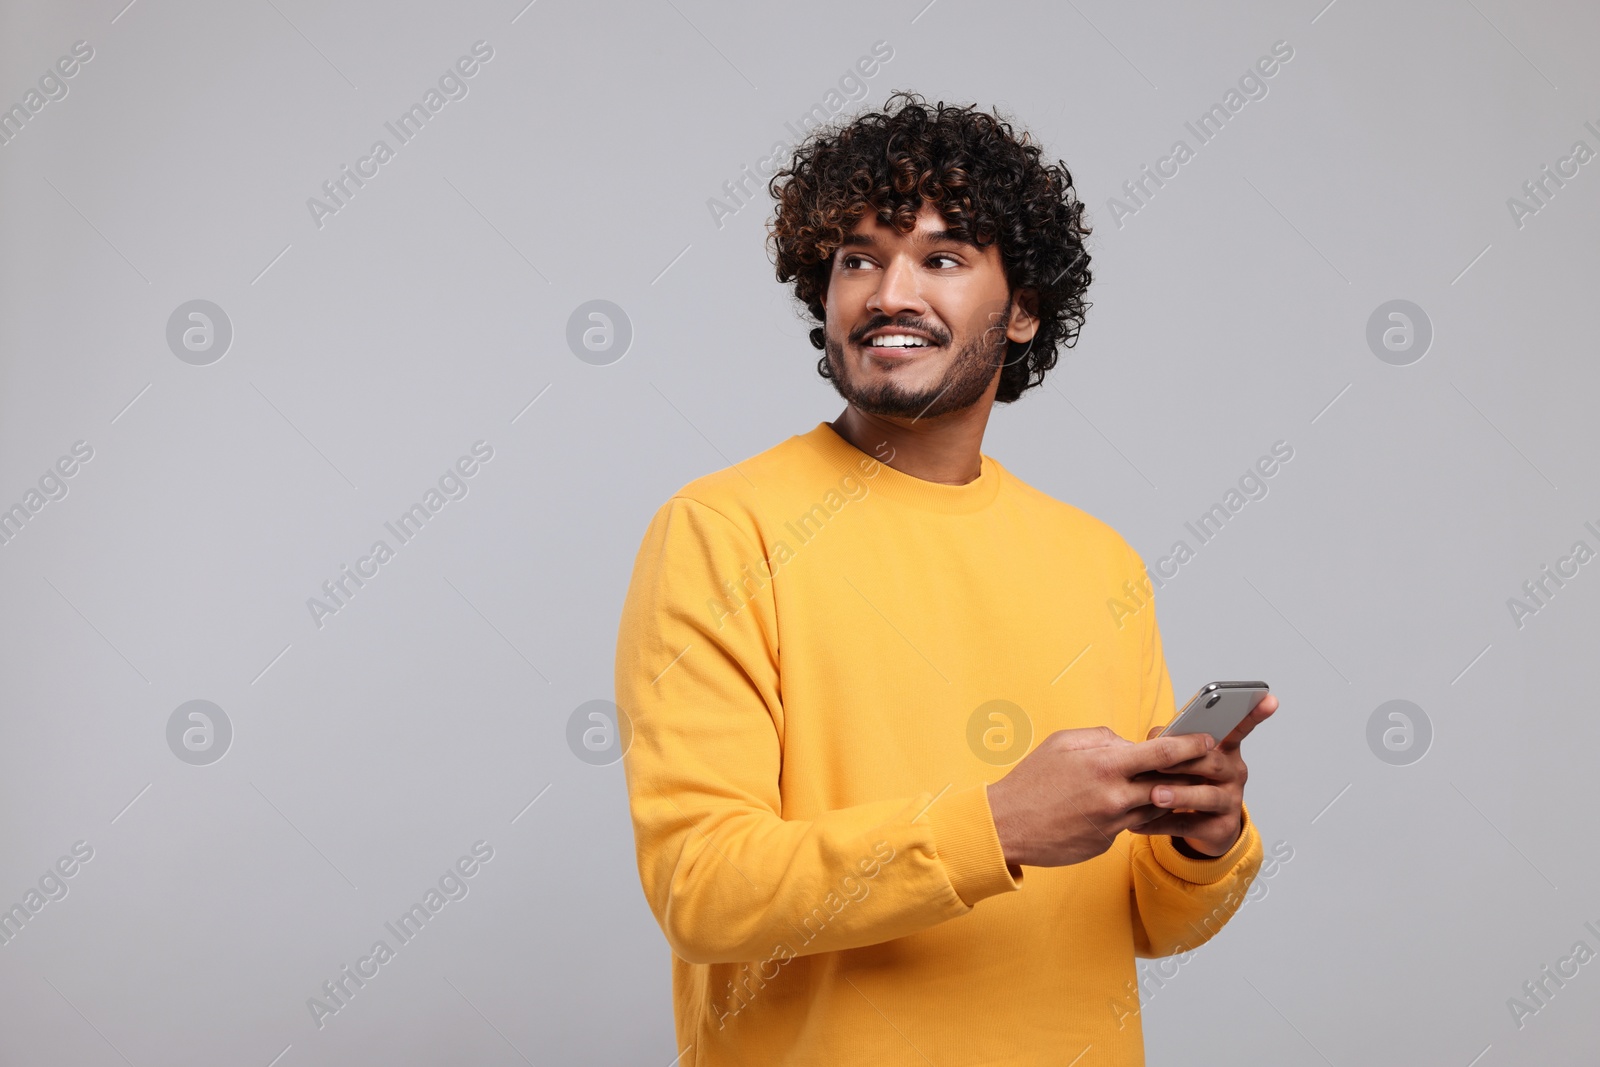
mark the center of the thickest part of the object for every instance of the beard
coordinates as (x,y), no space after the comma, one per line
(962,385)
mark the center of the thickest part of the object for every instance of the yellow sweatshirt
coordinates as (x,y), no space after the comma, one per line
(809,657)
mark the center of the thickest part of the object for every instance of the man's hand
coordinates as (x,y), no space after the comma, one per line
(1066,801)
(1206,814)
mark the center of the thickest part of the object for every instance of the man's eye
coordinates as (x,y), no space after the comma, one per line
(855,262)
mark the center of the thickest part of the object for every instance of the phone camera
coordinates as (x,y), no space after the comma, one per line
(1213,701)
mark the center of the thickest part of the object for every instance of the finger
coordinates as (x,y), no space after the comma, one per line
(1206,765)
(1163,752)
(1088,737)
(1214,766)
(1181,824)
(1168,775)
(1154,730)
(1159,824)
(1258,715)
(1141,815)
(1136,809)
(1207,771)
(1141,794)
(1203,798)
(1174,824)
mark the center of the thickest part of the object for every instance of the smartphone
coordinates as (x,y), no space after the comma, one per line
(1217,709)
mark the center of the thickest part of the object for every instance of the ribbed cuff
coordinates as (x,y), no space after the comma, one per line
(968,844)
(1204,872)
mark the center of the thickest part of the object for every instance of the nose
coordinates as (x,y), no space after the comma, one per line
(898,291)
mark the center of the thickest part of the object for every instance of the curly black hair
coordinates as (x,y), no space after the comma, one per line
(989,184)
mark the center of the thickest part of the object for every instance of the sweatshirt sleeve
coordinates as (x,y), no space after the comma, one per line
(1179,902)
(728,878)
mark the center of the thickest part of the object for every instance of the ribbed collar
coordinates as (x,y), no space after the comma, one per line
(897,485)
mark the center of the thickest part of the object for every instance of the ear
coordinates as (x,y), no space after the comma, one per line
(1024,316)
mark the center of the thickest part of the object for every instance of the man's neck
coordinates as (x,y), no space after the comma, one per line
(944,449)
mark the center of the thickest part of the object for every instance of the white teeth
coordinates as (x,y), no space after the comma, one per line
(897,340)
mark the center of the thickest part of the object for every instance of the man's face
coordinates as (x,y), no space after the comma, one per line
(944,295)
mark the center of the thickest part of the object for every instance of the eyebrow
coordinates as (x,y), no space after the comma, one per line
(921,237)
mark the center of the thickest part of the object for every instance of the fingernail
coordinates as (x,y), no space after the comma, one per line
(1163,795)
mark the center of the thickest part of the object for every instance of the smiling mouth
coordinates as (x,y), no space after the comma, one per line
(897,343)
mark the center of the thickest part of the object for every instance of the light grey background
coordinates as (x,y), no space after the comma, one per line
(1230,312)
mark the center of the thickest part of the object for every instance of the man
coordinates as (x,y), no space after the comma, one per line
(871,676)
